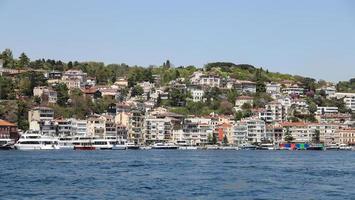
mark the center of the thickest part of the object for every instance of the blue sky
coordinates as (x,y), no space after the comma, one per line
(312,38)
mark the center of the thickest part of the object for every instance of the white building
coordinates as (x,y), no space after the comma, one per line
(158,130)
(43,91)
(241,100)
(273,88)
(249,131)
(197,95)
(78,127)
(326,110)
(245,86)
(349,99)
(294,89)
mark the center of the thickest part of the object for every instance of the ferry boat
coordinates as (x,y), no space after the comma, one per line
(36,141)
(164,146)
(65,143)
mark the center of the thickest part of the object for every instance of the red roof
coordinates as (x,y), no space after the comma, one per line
(6,123)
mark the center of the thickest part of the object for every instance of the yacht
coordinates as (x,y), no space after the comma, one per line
(164,146)
(117,143)
(36,141)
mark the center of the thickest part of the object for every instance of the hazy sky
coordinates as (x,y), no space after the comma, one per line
(313,38)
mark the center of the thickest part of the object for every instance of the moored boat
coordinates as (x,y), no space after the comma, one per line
(36,141)
(164,146)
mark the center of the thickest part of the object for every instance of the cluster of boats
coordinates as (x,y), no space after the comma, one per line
(37,141)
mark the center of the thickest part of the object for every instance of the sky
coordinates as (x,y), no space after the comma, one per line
(311,38)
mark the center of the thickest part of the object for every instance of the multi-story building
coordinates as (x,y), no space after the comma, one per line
(249,131)
(346,136)
(64,127)
(273,112)
(245,86)
(95,127)
(158,130)
(298,131)
(136,126)
(78,127)
(41,119)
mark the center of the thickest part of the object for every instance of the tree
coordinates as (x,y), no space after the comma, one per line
(137,91)
(23,61)
(226,107)
(316,136)
(288,136)
(312,107)
(209,138)
(214,139)
(8,59)
(37,100)
(225,140)
(62,94)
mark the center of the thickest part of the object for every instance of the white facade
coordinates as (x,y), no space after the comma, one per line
(295,89)
(349,99)
(158,129)
(197,95)
(273,88)
(326,110)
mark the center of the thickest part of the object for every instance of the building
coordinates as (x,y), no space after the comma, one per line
(42,119)
(298,131)
(346,136)
(245,86)
(249,131)
(136,126)
(273,88)
(74,78)
(121,82)
(64,127)
(293,90)
(273,112)
(241,100)
(8,130)
(326,110)
(197,95)
(53,75)
(78,127)
(96,127)
(158,130)
(328,91)
(45,93)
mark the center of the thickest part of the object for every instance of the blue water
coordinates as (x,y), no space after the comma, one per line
(172,174)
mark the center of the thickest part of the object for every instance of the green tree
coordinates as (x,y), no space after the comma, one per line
(288,136)
(214,139)
(316,136)
(225,140)
(23,61)
(7,58)
(62,94)
(137,91)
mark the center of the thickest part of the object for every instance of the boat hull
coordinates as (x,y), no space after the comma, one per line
(84,148)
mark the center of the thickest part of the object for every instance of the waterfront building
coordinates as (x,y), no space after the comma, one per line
(158,130)
(95,126)
(78,127)
(8,130)
(64,127)
(346,136)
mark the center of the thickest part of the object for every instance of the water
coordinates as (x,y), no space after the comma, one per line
(165,174)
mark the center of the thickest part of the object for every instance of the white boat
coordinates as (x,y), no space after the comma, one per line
(6,143)
(188,147)
(332,147)
(145,147)
(132,146)
(211,147)
(164,146)
(117,143)
(65,143)
(36,141)
(228,148)
(267,146)
(345,147)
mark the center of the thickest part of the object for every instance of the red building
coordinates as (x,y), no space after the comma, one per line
(8,130)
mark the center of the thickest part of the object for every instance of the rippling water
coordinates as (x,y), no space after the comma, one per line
(165,174)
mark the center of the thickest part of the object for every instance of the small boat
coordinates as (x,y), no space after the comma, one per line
(132,146)
(34,140)
(145,147)
(266,146)
(332,147)
(211,147)
(188,147)
(248,147)
(345,147)
(6,144)
(164,146)
(316,147)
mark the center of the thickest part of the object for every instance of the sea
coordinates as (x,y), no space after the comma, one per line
(177,174)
